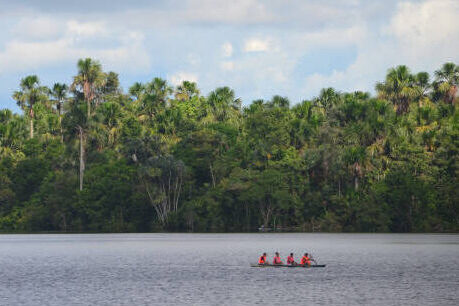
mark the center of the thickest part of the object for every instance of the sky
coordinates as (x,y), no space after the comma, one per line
(259,48)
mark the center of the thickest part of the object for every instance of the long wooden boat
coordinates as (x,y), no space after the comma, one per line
(285,266)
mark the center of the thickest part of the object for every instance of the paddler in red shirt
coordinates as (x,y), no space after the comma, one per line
(305,260)
(290,260)
(262,260)
(277,260)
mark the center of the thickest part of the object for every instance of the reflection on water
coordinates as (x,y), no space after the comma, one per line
(212,269)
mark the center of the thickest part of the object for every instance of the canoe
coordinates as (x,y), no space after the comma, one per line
(285,266)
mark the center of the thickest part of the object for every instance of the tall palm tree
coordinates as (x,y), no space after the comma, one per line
(76,126)
(31,92)
(398,88)
(89,77)
(447,79)
(59,93)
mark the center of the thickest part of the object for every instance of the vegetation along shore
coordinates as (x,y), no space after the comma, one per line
(88,156)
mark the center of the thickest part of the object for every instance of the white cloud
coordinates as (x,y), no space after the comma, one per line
(426,30)
(227,49)
(420,35)
(86,28)
(370,66)
(260,76)
(198,12)
(235,11)
(177,78)
(257,45)
(333,36)
(227,65)
(39,28)
(426,23)
(316,81)
(193,59)
(265,42)
(126,51)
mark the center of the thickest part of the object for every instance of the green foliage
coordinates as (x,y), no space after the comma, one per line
(88,157)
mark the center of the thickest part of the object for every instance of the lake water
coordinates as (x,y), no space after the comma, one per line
(213,269)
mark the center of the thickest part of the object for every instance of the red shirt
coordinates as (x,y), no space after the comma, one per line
(305,260)
(290,260)
(277,260)
(262,260)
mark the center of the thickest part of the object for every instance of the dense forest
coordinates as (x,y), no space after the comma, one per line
(88,156)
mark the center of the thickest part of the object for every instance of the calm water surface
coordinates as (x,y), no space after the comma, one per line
(213,269)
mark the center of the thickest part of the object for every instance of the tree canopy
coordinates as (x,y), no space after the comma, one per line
(90,156)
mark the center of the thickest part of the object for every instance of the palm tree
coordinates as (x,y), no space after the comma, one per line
(422,81)
(398,88)
(328,97)
(59,93)
(221,100)
(31,92)
(89,77)
(76,124)
(301,126)
(106,125)
(136,90)
(447,79)
(278,101)
(111,83)
(151,97)
(186,91)
(160,89)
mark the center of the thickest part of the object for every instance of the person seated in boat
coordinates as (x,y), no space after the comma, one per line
(291,260)
(305,260)
(277,260)
(262,260)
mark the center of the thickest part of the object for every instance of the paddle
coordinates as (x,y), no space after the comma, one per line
(315,261)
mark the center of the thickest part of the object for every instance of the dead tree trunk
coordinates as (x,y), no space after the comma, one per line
(82,163)
(212,175)
(31,115)
(266,212)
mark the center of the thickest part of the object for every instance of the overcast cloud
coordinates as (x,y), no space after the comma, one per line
(257,47)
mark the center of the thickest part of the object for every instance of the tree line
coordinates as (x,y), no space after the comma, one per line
(88,156)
